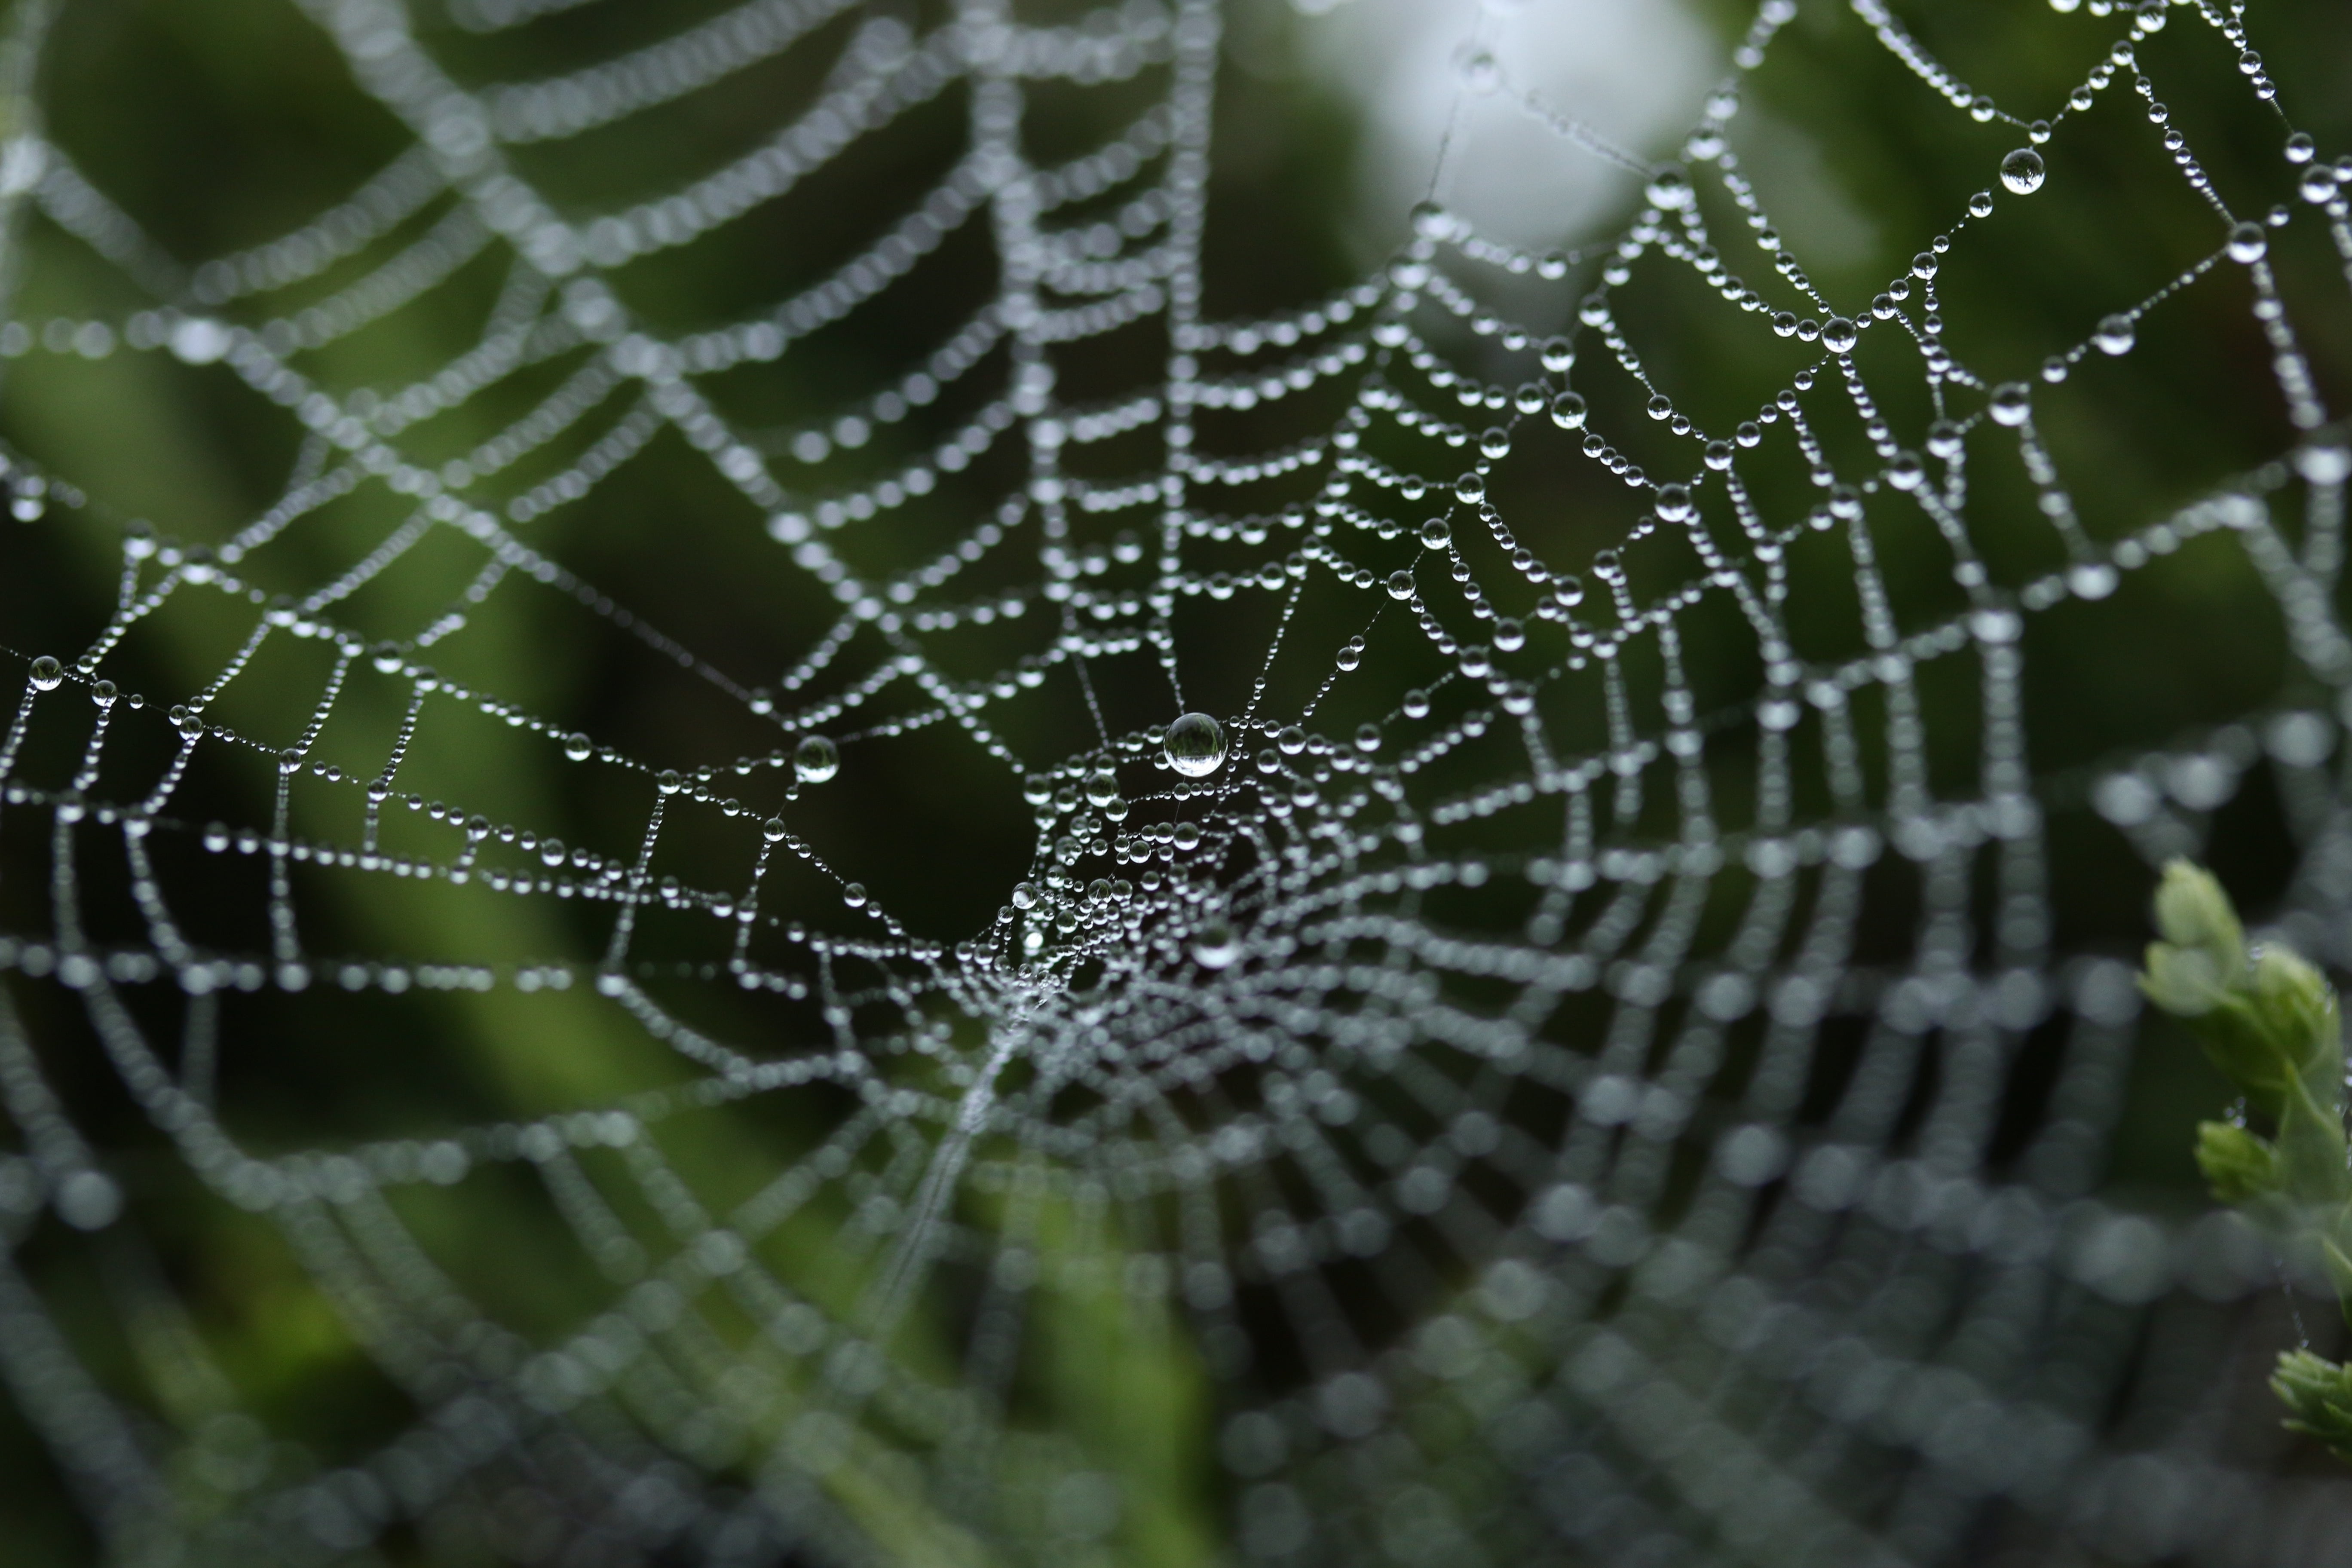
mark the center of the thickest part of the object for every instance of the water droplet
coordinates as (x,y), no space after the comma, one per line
(1719,456)
(1293,741)
(2324,463)
(1431,221)
(2300,147)
(1944,438)
(1557,354)
(1214,945)
(1495,443)
(1436,533)
(1400,585)
(1846,503)
(1839,336)
(1669,188)
(1674,504)
(1368,737)
(815,759)
(1470,489)
(1904,472)
(2012,404)
(2114,334)
(1195,745)
(1568,411)
(46,672)
(103,693)
(1924,265)
(853,895)
(2248,243)
(668,782)
(1509,635)
(196,339)
(89,1200)
(1025,895)
(578,747)
(1417,704)
(1102,786)
(1750,433)
(1480,73)
(1981,205)
(2022,171)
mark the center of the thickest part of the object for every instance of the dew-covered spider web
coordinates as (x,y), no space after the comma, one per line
(854,880)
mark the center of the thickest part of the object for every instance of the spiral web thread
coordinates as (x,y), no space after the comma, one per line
(1850,1343)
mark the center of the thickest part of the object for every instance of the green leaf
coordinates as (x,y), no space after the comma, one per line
(2317,1394)
(2240,1166)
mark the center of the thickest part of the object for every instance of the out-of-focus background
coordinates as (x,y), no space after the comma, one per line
(190,1376)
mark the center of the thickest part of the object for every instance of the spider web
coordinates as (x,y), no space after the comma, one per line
(1493,1081)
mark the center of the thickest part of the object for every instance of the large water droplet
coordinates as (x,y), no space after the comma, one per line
(2022,171)
(577,747)
(1673,503)
(1435,533)
(2012,404)
(1196,746)
(1214,945)
(1400,585)
(1480,73)
(46,672)
(1839,336)
(2114,334)
(1670,188)
(2248,243)
(1102,786)
(815,759)
(1568,411)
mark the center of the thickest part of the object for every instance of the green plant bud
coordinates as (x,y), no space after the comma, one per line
(2317,1394)
(2193,912)
(2185,982)
(2240,1165)
(2296,1004)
